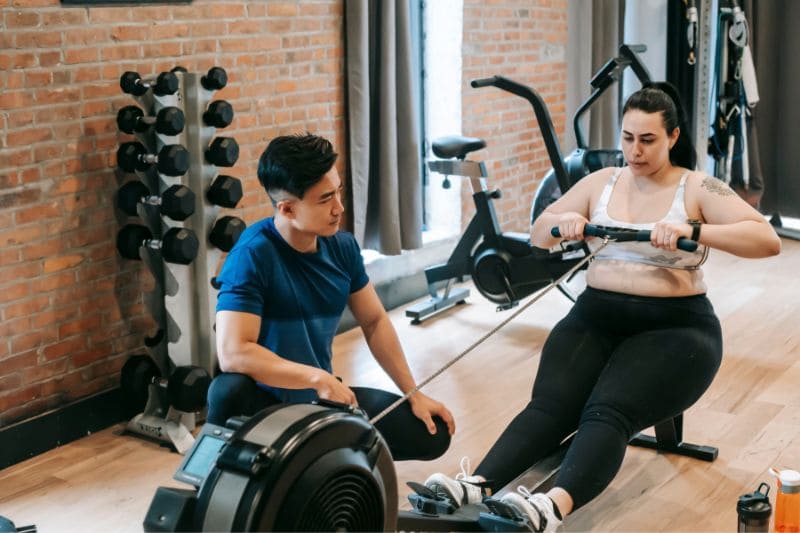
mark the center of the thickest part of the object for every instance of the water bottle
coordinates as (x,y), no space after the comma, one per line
(787,503)
(753,510)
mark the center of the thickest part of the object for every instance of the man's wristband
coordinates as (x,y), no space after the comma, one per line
(695,229)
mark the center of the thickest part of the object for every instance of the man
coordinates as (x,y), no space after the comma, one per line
(284,287)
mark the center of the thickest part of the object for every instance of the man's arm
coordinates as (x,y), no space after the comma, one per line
(385,347)
(238,351)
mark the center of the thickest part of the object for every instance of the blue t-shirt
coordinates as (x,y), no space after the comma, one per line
(300,297)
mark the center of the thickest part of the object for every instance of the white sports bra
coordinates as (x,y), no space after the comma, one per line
(642,252)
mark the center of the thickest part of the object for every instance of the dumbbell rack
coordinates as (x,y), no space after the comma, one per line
(183,300)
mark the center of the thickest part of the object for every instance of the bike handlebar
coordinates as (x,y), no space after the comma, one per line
(625,234)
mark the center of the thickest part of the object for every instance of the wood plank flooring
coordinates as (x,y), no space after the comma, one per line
(104,482)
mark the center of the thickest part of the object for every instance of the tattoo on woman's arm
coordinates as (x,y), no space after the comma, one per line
(716,186)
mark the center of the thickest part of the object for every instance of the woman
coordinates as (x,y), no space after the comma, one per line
(642,343)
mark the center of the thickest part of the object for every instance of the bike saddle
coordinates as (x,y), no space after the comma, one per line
(456,146)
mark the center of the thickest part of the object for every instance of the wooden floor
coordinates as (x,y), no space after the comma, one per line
(105,482)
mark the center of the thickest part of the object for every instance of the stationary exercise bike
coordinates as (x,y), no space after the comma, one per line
(505,267)
(583,160)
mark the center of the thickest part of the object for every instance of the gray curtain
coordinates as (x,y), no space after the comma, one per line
(775,41)
(595,33)
(383,121)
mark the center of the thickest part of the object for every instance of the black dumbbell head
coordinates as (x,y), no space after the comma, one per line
(170,121)
(129,195)
(135,378)
(166,83)
(215,80)
(219,114)
(226,232)
(130,238)
(225,191)
(129,82)
(177,202)
(179,245)
(223,152)
(129,156)
(128,118)
(187,388)
(173,160)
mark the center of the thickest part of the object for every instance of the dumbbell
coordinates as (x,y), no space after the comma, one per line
(178,245)
(215,79)
(226,232)
(225,191)
(168,121)
(223,152)
(219,114)
(133,84)
(187,386)
(177,202)
(172,159)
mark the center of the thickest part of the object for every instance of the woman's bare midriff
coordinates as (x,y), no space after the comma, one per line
(644,280)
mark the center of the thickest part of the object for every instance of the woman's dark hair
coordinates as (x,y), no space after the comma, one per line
(294,163)
(662,97)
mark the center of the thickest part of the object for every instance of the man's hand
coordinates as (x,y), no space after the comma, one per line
(425,408)
(328,387)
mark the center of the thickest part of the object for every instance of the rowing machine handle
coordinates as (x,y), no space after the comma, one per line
(620,235)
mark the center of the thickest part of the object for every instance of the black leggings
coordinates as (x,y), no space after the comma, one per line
(406,435)
(615,365)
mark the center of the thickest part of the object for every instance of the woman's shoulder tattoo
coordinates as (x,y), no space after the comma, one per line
(717,186)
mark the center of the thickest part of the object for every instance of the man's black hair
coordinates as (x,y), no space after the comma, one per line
(294,163)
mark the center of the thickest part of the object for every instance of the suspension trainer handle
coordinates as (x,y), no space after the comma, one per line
(626,235)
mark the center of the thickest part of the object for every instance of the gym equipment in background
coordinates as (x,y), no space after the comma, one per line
(163,409)
(584,160)
(505,267)
(177,196)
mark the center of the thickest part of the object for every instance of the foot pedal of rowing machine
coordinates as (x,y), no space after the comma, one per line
(502,517)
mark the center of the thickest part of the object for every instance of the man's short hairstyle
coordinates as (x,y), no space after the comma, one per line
(294,163)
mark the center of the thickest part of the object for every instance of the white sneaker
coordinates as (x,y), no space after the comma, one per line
(463,490)
(537,507)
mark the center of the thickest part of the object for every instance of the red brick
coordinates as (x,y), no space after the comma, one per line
(49,59)
(161,32)
(15,99)
(55,264)
(81,55)
(63,348)
(26,307)
(87,357)
(39,39)
(64,17)
(53,281)
(45,371)
(29,136)
(281,9)
(87,36)
(83,325)
(51,316)
(18,396)
(21,19)
(20,197)
(21,271)
(229,11)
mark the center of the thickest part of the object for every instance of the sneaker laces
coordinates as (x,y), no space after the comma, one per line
(523,490)
(464,474)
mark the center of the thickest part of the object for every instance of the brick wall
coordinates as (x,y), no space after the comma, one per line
(524,40)
(70,308)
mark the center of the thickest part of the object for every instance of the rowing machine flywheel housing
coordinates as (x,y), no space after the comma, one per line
(297,467)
